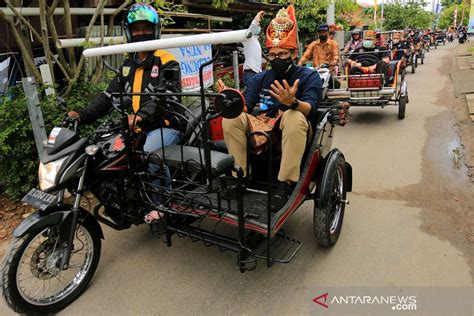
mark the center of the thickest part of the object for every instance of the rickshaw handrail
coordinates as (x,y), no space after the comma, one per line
(182,41)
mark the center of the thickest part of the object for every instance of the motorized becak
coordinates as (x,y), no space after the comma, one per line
(373,89)
(56,250)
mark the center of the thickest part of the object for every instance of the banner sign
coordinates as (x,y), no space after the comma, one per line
(190,59)
(471,19)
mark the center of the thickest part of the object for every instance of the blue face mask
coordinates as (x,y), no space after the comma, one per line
(257,30)
(368,44)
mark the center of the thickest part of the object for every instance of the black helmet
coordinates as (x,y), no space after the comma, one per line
(141,12)
(355,31)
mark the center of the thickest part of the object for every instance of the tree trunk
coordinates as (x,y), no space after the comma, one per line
(77,72)
(68,26)
(45,38)
(25,49)
(54,35)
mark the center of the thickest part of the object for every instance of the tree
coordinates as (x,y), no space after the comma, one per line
(348,13)
(446,17)
(71,70)
(399,16)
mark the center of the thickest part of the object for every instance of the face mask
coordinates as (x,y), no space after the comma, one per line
(323,37)
(257,31)
(142,38)
(368,44)
(281,66)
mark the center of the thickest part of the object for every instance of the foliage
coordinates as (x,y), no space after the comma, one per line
(446,16)
(399,16)
(221,4)
(348,13)
(19,159)
(162,6)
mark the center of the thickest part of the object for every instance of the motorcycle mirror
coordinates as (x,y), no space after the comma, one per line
(230,104)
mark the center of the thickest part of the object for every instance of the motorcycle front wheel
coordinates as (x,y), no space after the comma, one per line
(31,279)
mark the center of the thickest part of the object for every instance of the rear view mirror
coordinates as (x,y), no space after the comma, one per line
(231,104)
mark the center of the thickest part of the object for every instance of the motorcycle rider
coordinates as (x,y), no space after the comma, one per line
(141,72)
(323,51)
(379,39)
(355,43)
(287,96)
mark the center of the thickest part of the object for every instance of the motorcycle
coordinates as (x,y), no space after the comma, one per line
(56,250)
(450,37)
(462,37)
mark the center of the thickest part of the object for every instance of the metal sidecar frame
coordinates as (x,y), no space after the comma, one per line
(203,200)
(372,89)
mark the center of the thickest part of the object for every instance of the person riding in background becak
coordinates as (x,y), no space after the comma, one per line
(398,46)
(283,100)
(142,72)
(369,47)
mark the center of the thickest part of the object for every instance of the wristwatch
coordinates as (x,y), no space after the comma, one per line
(294,105)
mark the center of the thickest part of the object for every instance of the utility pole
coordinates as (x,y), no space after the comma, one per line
(330,13)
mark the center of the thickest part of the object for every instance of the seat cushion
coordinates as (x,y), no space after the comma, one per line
(178,156)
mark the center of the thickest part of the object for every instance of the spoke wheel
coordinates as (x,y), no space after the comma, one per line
(329,210)
(32,279)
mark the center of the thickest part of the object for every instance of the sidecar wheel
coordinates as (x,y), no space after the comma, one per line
(402,104)
(31,279)
(329,210)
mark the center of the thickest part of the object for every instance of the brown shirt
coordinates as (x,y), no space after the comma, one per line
(322,53)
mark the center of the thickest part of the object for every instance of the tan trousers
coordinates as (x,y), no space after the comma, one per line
(294,129)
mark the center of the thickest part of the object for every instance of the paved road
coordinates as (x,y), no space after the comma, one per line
(388,237)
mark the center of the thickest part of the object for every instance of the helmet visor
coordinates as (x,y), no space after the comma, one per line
(142,12)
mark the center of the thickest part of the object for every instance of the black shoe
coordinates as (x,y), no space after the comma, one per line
(281,196)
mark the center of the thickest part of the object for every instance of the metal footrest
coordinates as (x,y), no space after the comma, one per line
(282,249)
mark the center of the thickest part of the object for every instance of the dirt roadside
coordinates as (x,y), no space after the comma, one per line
(462,76)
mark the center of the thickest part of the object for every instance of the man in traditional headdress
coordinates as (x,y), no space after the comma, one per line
(286,98)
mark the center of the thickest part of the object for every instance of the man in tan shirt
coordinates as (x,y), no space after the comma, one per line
(322,51)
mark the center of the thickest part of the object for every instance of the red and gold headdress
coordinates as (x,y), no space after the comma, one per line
(281,33)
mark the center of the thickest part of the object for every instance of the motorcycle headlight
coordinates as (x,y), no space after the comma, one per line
(47,173)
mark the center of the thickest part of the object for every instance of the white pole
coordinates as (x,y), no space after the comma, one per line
(27,11)
(76,42)
(200,39)
(381,17)
(330,19)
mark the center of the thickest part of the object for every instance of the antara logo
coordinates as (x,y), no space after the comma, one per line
(318,300)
